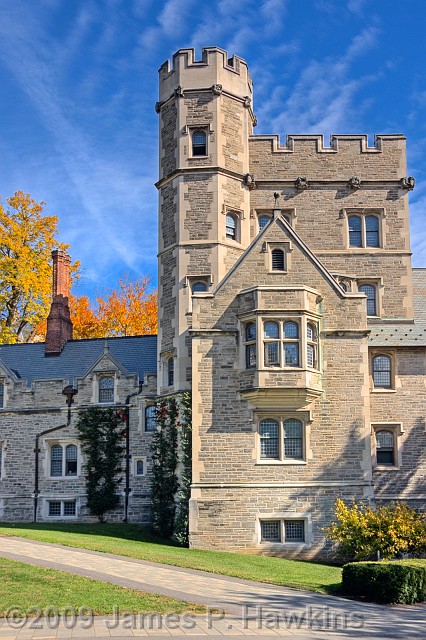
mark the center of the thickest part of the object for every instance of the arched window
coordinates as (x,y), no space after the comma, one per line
(56,460)
(382,371)
(199,287)
(277,260)
(263,221)
(106,389)
(170,372)
(370,292)
(372,231)
(385,447)
(71,460)
(355,231)
(311,346)
(250,345)
(199,143)
(1,395)
(231,226)
(150,418)
(269,445)
(293,439)
(343,286)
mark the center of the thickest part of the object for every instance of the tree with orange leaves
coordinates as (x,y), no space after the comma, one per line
(27,238)
(129,310)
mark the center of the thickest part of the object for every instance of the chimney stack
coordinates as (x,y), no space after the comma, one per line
(59,325)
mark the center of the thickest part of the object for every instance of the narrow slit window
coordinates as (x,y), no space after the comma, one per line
(170,372)
(199,143)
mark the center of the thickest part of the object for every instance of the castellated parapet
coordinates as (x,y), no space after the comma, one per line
(214,69)
(347,155)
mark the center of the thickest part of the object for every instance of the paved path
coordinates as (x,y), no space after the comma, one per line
(250,609)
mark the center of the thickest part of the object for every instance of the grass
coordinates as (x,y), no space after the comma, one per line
(25,587)
(136,542)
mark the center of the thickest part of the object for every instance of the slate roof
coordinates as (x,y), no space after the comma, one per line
(405,334)
(137,354)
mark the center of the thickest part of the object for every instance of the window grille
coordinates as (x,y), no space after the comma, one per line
(106,389)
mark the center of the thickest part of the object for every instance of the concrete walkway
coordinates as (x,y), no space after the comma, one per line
(250,609)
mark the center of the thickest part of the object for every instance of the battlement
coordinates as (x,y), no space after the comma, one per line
(348,157)
(359,142)
(215,67)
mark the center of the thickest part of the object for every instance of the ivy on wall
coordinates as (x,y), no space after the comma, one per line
(171,468)
(101,431)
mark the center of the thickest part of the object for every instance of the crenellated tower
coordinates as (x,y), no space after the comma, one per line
(206,119)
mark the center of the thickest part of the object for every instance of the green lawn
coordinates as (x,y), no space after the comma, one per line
(136,542)
(27,587)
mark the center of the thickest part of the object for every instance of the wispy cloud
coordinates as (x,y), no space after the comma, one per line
(322,99)
(100,183)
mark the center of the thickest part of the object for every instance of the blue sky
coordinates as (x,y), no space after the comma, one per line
(78,85)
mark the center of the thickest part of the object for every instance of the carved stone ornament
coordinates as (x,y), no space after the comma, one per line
(158,107)
(179,92)
(254,121)
(355,182)
(217,89)
(249,181)
(408,183)
(247,102)
(301,183)
(276,200)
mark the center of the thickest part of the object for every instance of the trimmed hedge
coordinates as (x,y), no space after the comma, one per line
(402,581)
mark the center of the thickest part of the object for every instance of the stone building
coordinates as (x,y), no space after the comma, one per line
(287,303)
(289,306)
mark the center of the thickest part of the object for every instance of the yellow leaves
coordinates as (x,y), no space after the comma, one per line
(128,310)
(391,530)
(27,238)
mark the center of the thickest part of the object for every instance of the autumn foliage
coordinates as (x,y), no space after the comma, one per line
(128,310)
(27,238)
(364,533)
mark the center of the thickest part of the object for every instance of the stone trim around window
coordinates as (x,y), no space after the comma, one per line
(364,234)
(284,530)
(49,443)
(382,371)
(262,351)
(392,452)
(284,443)
(270,249)
(61,508)
(139,466)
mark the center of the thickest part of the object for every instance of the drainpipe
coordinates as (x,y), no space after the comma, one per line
(70,392)
(127,488)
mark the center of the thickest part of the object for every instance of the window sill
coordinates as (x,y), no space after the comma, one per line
(378,390)
(281,462)
(283,545)
(385,468)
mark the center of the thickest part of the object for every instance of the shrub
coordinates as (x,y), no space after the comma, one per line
(402,582)
(391,530)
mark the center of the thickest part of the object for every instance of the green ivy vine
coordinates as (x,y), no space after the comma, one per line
(101,431)
(171,476)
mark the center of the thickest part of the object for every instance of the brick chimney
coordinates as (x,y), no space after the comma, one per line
(59,325)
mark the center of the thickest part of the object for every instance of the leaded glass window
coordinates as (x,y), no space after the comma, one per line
(370,292)
(71,460)
(199,143)
(385,447)
(269,445)
(382,371)
(293,439)
(56,453)
(372,231)
(355,231)
(106,389)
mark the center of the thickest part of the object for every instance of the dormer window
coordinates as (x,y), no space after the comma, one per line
(199,142)
(106,389)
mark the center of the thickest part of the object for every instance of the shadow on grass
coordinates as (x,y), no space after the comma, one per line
(138,533)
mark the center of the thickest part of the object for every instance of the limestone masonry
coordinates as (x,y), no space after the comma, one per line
(287,303)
